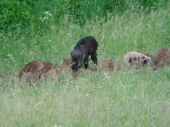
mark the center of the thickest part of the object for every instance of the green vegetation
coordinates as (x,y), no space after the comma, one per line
(48,30)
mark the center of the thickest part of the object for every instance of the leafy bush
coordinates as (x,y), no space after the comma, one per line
(25,13)
(16,14)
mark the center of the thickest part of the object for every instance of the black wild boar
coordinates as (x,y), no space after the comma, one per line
(85,48)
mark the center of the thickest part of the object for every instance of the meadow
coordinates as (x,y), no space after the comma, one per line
(129,98)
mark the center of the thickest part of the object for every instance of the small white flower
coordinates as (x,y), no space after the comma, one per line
(134,97)
(45,18)
(31,53)
(9,55)
(46,12)
(57,126)
(50,14)
(53,27)
(149,25)
(106,75)
(69,34)
(87,95)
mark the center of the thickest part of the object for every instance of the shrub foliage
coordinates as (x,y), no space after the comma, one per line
(26,13)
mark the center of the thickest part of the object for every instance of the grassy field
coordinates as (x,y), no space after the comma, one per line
(129,98)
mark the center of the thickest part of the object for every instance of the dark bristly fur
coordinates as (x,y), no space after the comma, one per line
(85,47)
(162,58)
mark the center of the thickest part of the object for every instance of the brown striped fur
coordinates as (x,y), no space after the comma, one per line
(34,70)
(162,58)
(67,62)
(51,74)
(108,64)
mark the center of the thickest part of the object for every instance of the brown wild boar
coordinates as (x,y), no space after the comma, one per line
(34,70)
(108,64)
(51,74)
(162,58)
(67,62)
(31,70)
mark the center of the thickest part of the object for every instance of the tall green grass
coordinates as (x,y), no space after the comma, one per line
(120,99)
(103,99)
(120,34)
(23,14)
